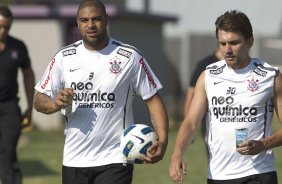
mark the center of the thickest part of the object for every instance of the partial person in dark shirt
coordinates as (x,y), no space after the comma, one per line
(13,56)
(200,67)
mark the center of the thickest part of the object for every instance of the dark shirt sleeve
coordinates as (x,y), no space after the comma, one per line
(200,67)
(24,60)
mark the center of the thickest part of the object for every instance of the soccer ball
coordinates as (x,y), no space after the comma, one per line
(135,141)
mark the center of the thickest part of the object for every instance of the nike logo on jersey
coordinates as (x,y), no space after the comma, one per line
(215,83)
(72,70)
(141,139)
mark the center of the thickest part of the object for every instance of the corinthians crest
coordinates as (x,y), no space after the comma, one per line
(115,65)
(253,85)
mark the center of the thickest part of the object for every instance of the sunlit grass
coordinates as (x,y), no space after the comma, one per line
(41,159)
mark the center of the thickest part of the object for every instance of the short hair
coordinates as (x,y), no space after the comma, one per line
(234,21)
(96,3)
(6,12)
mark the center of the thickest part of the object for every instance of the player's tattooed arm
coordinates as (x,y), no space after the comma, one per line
(159,116)
(159,120)
(44,104)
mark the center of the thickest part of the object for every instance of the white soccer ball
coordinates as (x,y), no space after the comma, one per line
(135,141)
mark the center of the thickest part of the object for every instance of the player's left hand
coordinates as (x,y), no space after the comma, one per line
(154,153)
(251,147)
(26,119)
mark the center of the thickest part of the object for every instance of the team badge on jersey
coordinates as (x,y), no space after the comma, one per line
(115,65)
(260,72)
(69,52)
(253,85)
(214,70)
(124,53)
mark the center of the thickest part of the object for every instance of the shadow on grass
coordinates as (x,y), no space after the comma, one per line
(35,168)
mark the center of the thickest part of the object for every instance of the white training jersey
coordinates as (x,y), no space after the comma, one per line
(105,83)
(240,98)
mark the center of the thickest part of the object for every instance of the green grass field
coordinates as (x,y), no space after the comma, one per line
(41,158)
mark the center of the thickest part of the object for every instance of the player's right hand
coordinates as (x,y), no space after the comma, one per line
(61,99)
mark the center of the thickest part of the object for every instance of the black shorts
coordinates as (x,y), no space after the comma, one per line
(264,178)
(108,174)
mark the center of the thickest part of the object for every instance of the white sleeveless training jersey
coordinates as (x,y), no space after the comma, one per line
(240,98)
(105,83)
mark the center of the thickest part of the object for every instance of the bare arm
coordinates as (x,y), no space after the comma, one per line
(188,99)
(278,96)
(275,140)
(29,82)
(188,130)
(254,147)
(159,120)
(43,103)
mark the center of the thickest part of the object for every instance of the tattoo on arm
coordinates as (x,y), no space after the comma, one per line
(154,123)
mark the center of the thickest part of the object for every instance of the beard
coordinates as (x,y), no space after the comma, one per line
(97,42)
